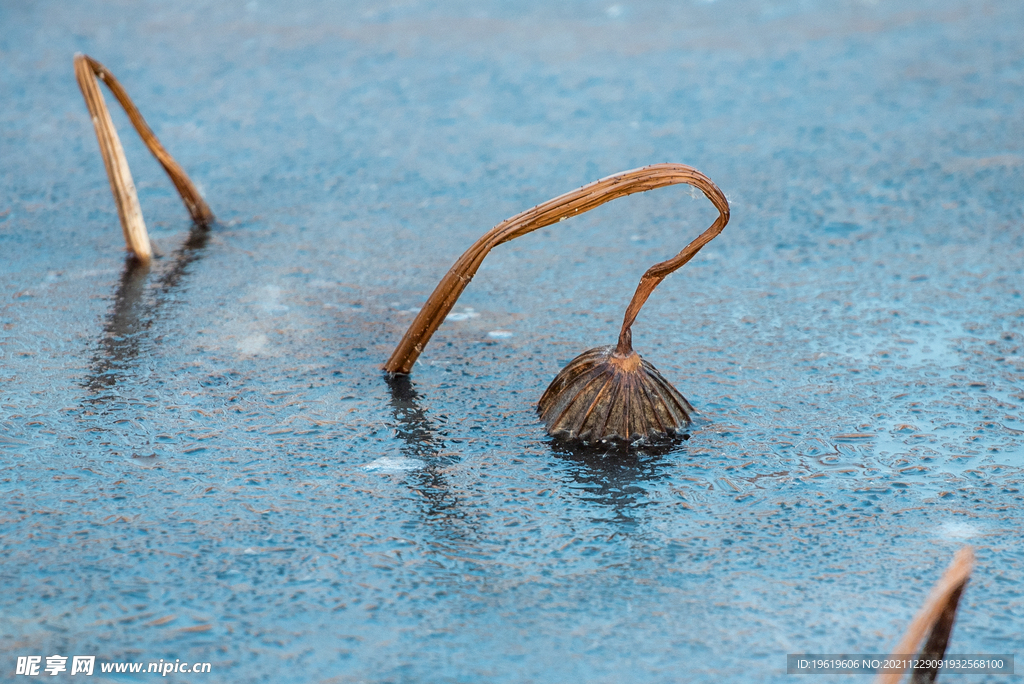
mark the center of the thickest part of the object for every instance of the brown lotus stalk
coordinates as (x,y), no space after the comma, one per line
(608,393)
(87,70)
(934,619)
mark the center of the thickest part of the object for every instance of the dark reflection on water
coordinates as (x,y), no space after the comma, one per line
(120,339)
(613,475)
(423,442)
(411,422)
(136,308)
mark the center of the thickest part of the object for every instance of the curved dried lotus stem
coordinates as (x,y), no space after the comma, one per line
(935,618)
(572,203)
(121,184)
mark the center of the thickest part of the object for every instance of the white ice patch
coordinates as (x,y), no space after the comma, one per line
(500,334)
(270,300)
(91,273)
(463,315)
(393,464)
(957,530)
(253,344)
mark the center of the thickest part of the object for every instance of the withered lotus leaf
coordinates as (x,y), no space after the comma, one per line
(604,395)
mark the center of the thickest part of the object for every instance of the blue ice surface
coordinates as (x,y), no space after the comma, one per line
(203,462)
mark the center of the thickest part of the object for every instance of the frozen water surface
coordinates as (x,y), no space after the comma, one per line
(204,462)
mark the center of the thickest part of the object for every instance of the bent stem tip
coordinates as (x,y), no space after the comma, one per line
(87,71)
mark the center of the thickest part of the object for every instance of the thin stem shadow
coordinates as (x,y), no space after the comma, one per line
(137,306)
(423,442)
(411,422)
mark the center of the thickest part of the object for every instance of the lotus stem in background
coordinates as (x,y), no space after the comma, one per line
(639,403)
(87,70)
(934,619)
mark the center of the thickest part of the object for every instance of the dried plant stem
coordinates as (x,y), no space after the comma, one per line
(120,176)
(947,589)
(87,70)
(562,207)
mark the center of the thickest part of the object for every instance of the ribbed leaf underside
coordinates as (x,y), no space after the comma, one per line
(599,397)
